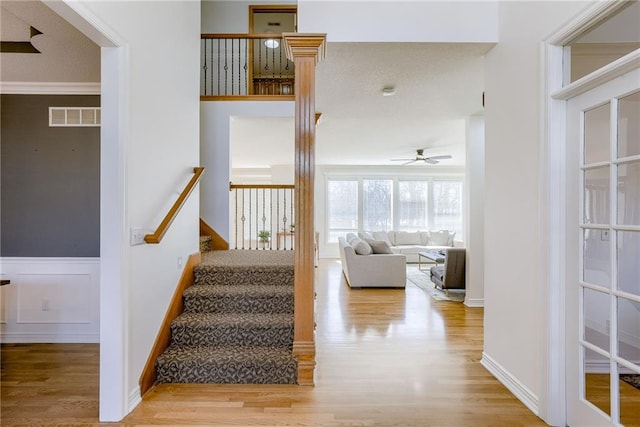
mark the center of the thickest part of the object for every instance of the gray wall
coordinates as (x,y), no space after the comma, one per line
(50,180)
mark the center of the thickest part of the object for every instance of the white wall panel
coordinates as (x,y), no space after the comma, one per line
(50,300)
(53,298)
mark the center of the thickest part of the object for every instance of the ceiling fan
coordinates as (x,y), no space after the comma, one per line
(420,157)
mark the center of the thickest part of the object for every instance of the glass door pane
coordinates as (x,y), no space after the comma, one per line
(629,125)
(597,384)
(597,134)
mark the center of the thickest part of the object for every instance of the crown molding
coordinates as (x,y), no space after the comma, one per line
(49,88)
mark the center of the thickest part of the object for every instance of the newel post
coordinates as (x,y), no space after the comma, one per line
(305,50)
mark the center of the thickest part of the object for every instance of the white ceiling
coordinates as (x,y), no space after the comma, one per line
(437,87)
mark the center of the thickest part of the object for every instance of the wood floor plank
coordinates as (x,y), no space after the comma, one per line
(385,357)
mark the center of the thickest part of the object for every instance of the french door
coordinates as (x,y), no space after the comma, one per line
(603,254)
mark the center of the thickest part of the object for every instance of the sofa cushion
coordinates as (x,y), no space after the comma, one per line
(424,238)
(383,236)
(406,238)
(379,246)
(441,238)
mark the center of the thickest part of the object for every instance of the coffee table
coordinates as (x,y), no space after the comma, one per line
(434,256)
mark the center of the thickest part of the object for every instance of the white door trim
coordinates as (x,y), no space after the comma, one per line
(552,189)
(114,303)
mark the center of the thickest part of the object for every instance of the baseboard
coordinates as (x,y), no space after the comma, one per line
(519,390)
(134,399)
(19,338)
(474,302)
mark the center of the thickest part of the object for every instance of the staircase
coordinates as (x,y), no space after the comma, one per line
(237,323)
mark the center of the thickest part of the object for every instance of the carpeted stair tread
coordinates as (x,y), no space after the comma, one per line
(242,329)
(239,299)
(227,365)
(205,275)
(238,267)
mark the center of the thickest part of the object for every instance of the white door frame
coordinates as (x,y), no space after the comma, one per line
(552,399)
(114,94)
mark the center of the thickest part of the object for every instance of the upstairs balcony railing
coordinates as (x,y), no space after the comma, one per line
(240,65)
(262,216)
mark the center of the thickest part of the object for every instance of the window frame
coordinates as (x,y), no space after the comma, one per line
(396,178)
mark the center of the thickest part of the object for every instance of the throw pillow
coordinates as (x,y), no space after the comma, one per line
(440,238)
(379,246)
(350,237)
(364,235)
(383,236)
(406,238)
(360,246)
(451,236)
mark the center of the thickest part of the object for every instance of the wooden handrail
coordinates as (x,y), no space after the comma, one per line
(274,186)
(173,212)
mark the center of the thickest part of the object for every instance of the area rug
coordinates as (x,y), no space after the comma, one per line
(632,379)
(422,281)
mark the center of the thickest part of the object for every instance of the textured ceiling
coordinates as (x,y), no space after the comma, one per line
(437,87)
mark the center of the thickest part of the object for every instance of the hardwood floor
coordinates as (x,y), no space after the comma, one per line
(385,357)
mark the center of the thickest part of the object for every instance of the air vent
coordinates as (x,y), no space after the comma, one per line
(74,116)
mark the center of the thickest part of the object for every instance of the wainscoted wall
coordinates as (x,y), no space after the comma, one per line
(50,240)
(50,300)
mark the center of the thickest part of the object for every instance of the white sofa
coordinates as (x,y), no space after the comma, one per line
(372,270)
(410,243)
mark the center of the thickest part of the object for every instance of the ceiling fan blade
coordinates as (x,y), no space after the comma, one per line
(443,157)
(431,161)
(409,162)
(402,160)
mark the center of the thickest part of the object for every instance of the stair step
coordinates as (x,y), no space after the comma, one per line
(239,299)
(247,275)
(205,244)
(238,329)
(223,365)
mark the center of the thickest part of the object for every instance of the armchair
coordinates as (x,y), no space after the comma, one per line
(451,274)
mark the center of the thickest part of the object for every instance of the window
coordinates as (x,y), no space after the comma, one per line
(342,208)
(377,197)
(447,206)
(413,198)
(395,203)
